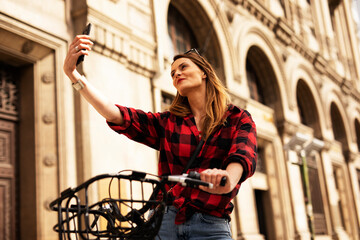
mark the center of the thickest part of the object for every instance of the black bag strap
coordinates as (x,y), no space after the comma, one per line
(197,150)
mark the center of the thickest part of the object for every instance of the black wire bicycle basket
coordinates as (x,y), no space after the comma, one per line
(132,208)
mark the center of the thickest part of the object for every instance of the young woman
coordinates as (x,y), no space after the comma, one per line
(200,111)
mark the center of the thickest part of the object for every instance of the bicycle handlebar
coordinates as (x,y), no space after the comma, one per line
(124,216)
(192,179)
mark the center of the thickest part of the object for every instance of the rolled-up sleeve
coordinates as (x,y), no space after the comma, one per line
(243,149)
(139,126)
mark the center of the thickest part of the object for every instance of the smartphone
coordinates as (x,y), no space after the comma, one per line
(85,32)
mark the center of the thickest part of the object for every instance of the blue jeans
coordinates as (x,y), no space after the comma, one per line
(200,227)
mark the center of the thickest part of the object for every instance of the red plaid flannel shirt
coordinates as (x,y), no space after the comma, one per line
(177,137)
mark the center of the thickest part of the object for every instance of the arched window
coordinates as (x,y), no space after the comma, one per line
(338,126)
(307,108)
(180,33)
(357,131)
(254,83)
(261,79)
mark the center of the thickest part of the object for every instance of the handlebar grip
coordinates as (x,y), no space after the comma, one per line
(187,181)
(223,181)
(196,182)
(193,174)
(196,175)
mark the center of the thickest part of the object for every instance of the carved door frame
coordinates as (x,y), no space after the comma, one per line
(41,131)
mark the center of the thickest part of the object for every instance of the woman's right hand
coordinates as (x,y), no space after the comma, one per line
(81,45)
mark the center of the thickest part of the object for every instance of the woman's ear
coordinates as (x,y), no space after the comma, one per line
(204,75)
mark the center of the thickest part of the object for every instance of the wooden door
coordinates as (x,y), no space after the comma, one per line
(7,180)
(8,122)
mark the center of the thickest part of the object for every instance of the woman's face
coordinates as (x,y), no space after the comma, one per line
(187,76)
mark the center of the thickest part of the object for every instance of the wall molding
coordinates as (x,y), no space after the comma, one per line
(117,41)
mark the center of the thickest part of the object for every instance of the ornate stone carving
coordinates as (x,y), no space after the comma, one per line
(47,77)
(237,78)
(50,160)
(8,92)
(48,118)
(27,47)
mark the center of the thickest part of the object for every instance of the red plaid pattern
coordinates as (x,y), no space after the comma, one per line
(176,138)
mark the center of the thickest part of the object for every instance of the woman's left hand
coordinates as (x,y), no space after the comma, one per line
(232,173)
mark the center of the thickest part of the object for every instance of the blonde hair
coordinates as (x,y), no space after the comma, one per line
(217,97)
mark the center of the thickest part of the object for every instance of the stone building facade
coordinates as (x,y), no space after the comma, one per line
(293,64)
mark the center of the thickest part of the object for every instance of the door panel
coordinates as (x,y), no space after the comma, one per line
(7,180)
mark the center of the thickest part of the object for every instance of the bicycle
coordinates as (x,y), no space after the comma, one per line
(135,216)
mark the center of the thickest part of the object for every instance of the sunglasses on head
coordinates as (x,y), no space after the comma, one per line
(194,50)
